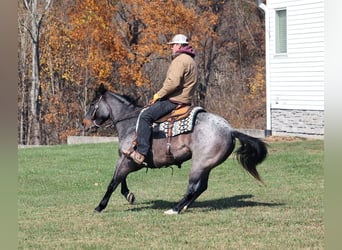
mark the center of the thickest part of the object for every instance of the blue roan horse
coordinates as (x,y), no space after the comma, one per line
(209,144)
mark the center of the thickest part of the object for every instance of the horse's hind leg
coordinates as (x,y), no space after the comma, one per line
(198,183)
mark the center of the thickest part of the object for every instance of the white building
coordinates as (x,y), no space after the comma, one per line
(294,67)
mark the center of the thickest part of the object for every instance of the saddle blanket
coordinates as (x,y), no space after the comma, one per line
(181,126)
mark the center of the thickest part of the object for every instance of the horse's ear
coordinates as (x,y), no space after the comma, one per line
(102,89)
(137,99)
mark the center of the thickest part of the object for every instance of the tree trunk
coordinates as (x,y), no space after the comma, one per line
(22,70)
(35,92)
(208,58)
(35,110)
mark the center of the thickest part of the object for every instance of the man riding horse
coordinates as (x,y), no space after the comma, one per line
(209,143)
(177,90)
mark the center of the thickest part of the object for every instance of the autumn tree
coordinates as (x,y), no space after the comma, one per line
(122,43)
(24,53)
(116,43)
(124,36)
(36,11)
(238,64)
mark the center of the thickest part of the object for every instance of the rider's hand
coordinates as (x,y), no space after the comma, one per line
(155,98)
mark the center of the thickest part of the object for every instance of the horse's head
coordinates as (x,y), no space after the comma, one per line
(98,112)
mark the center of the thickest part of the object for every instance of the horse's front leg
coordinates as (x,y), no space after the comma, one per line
(126,193)
(120,175)
(110,189)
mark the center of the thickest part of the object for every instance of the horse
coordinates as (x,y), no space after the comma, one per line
(211,141)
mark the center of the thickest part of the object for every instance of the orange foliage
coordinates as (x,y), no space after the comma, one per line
(130,33)
(254,101)
(115,42)
(257,85)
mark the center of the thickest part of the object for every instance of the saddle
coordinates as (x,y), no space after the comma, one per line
(179,121)
(177,114)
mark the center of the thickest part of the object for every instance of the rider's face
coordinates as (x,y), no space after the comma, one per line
(175,47)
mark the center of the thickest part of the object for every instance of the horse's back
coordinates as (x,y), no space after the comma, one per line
(212,125)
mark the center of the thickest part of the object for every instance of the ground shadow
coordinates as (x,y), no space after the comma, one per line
(236,201)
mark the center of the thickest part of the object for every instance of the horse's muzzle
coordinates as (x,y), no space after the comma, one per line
(88,125)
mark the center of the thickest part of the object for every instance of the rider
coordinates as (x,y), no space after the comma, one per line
(178,89)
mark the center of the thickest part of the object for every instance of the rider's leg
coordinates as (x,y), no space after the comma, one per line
(145,121)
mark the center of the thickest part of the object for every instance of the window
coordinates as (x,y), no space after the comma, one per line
(281,31)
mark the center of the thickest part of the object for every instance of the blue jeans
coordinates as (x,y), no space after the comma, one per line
(145,120)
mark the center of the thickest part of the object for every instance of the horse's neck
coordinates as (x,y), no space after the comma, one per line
(124,115)
(126,127)
(127,122)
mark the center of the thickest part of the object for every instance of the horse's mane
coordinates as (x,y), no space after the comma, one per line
(127,98)
(132,100)
(122,97)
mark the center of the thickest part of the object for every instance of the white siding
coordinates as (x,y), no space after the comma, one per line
(297,77)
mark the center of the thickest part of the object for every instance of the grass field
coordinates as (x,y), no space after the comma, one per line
(59,186)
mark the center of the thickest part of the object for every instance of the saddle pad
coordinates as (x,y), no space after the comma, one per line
(181,126)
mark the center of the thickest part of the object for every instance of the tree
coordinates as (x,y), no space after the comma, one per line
(122,43)
(115,43)
(36,12)
(23,72)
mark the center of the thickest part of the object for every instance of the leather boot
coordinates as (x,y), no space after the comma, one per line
(135,156)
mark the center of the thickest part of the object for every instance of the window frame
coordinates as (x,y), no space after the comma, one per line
(278,47)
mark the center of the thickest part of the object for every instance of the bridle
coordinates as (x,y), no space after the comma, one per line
(114,121)
(94,112)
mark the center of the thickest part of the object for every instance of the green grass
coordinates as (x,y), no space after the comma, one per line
(59,186)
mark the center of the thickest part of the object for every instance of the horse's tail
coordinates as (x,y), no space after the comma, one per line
(251,152)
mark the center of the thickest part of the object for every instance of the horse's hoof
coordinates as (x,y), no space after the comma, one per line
(170,211)
(130,198)
(97,210)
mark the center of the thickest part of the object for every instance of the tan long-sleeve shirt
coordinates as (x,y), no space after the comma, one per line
(181,79)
